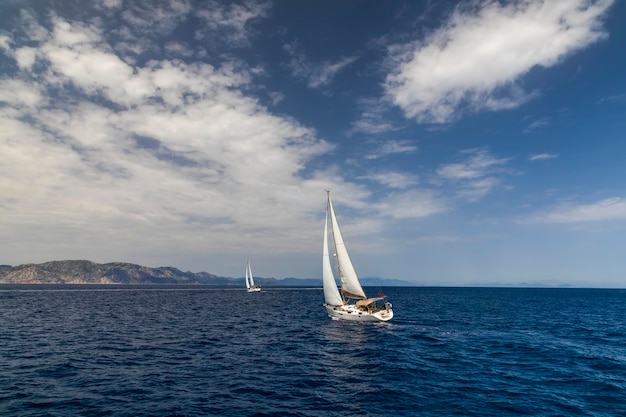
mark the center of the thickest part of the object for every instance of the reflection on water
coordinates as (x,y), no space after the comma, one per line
(351,332)
(350,354)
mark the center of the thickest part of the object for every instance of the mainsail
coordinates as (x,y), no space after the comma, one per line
(249,278)
(350,285)
(331,293)
(248,275)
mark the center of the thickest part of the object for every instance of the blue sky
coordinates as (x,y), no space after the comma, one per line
(464,143)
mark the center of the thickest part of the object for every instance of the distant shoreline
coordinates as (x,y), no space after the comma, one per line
(84,272)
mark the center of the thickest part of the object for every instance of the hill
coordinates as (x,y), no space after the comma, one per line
(88,272)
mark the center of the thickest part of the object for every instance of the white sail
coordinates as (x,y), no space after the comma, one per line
(350,285)
(331,293)
(248,275)
(250,279)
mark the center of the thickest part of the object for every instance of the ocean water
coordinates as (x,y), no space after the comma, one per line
(206,351)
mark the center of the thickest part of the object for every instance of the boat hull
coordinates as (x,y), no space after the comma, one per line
(353,313)
(254,289)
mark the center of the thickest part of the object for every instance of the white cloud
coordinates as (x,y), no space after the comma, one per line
(538,124)
(374,118)
(146,159)
(391,179)
(617,99)
(25,57)
(476,189)
(604,210)
(317,75)
(371,125)
(154,19)
(27,22)
(19,94)
(230,21)
(324,74)
(178,49)
(411,204)
(542,157)
(276,97)
(476,59)
(5,42)
(391,147)
(477,165)
(111,4)
(474,177)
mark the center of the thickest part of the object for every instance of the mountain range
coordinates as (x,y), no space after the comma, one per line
(88,272)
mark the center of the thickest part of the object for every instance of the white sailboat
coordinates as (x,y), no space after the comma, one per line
(250,280)
(351,303)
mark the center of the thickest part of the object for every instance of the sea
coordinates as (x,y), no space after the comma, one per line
(72,350)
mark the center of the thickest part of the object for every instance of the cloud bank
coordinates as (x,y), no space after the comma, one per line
(99,148)
(604,210)
(475,61)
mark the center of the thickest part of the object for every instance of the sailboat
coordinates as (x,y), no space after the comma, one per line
(351,303)
(250,280)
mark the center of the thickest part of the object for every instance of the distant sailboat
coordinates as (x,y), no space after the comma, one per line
(351,303)
(250,280)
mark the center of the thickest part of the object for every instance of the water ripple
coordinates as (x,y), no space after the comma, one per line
(203,351)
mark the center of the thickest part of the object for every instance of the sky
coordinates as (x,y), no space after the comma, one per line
(464,143)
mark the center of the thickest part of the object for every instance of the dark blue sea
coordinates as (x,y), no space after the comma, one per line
(207,351)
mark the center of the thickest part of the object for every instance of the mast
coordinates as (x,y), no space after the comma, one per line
(350,285)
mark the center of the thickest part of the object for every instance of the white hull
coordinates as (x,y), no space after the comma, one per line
(353,313)
(254,289)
